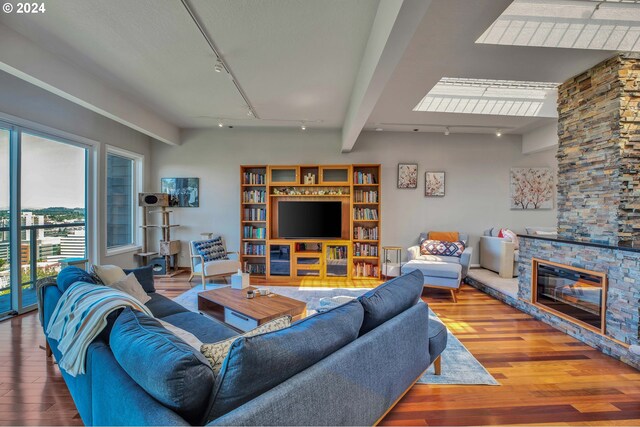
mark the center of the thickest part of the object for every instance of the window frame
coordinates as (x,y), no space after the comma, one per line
(136,212)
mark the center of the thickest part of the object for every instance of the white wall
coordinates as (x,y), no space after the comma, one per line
(476,166)
(21,99)
(540,139)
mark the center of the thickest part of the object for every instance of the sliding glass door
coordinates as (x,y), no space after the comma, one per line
(42,212)
(5,235)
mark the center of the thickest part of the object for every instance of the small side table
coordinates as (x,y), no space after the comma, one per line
(389,268)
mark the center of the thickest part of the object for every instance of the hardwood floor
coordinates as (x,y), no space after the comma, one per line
(547,377)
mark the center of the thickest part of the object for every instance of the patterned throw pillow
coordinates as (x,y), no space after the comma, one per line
(440,248)
(211,250)
(217,352)
(505,233)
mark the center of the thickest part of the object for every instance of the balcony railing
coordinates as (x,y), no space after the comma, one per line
(30,272)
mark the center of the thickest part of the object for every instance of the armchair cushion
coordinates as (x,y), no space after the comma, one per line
(214,268)
(211,250)
(445,236)
(463,237)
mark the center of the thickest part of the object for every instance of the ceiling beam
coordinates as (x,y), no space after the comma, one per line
(395,23)
(24,59)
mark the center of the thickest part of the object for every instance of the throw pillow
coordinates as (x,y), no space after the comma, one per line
(108,274)
(70,275)
(144,276)
(444,236)
(505,233)
(211,250)
(440,248)
(131,286)
(217,352)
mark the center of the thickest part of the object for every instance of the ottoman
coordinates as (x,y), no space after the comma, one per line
(437,274)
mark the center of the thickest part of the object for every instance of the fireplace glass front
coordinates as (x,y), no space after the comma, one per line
(574,293)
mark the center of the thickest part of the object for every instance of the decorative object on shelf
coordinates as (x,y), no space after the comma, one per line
(531,188)
(407,175)
(309,179)
(294,191)
(434,184)
(153,199)
(183,192)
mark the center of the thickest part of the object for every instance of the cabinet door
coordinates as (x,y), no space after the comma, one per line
(337,260)
(280,260)
(335,175)
(284,175)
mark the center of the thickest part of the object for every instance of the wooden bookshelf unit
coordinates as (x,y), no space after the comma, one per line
(355,255)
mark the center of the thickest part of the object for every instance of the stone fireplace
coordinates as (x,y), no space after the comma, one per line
(598,215)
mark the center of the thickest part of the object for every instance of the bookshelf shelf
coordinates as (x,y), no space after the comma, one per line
(355,255)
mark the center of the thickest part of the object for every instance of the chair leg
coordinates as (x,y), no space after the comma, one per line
(437,365)
(47,349)
(453,295)
(204,282)
(191,277)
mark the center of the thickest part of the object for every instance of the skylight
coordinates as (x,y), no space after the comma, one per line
(495,97)
(577,24)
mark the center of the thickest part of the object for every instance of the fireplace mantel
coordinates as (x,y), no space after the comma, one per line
(630,247)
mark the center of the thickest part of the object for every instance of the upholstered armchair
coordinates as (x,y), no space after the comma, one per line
(498,255)
(210,259)
(464,260)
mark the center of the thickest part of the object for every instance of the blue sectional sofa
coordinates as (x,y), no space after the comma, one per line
(346,366)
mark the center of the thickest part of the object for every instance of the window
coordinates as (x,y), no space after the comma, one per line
(123,171)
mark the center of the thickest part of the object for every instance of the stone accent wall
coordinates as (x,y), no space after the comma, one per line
(623,294)
(599,152)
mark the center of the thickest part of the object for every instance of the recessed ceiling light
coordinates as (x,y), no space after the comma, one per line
(249,113)
(220,124)
(446,131)
(379,129)
(303,127)
(493,97)
(577,24)
(499,133)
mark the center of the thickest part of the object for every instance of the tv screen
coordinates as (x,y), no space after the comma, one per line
(310,220)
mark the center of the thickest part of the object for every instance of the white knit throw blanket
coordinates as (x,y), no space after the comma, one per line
(80,315)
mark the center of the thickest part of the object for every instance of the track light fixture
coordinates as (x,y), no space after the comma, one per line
(446,131)
(499,133)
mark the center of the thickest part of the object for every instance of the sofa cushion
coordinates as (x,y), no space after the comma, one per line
(70,275)
(257,364)
(221,266)
(441,248)
(166,367)
(216,352)
(435,268)
(390,299)
(437,337)
(204,328)
(211,250)
(437,258)
(144,276)
(162,306)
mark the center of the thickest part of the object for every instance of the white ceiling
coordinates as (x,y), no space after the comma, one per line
(296,60)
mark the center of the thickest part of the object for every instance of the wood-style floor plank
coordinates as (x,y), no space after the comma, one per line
(547,377)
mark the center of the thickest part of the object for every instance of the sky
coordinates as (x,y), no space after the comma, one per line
(53,173)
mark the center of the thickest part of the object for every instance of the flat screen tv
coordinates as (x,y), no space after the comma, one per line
(309,220)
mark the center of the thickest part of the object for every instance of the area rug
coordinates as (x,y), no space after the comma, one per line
(458,364)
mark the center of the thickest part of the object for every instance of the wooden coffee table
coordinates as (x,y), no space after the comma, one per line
(232,307)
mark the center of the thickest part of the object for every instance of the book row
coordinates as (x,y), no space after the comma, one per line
(365,249)
(337,252)
(365,269)
(253,248)
(365,233)
(250,232)
(254,196)
(254,178)
(361,196)
(250,268)
(368,214)
(364,178)
(254,214)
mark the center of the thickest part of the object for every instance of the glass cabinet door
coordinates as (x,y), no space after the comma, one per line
(280,260)
(337,260)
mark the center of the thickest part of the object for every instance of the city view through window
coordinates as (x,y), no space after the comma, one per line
(53,176)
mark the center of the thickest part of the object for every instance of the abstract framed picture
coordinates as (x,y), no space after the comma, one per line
(407,175)
(434,184)
(531,188)
(183,192)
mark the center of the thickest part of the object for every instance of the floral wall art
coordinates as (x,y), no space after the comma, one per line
(434,184)
(407,175)
(531,188)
